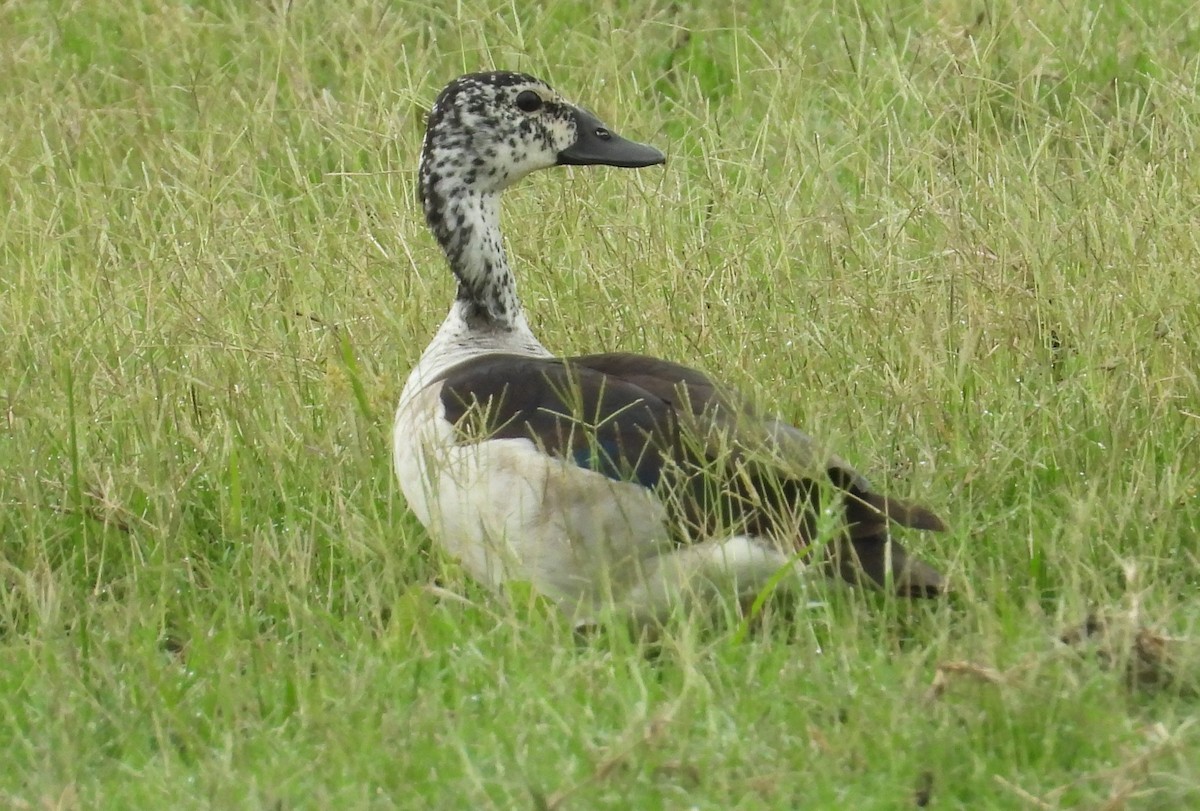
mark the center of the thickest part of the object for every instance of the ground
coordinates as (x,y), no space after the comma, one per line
(961,240)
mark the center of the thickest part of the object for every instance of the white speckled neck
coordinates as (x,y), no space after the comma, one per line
(470,237)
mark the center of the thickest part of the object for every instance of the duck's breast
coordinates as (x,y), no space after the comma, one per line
(509,511)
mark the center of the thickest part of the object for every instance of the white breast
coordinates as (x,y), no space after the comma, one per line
(508,511)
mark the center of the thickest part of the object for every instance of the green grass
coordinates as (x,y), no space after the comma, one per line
(962,240)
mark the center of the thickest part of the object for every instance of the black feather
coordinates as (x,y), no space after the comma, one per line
(717,465)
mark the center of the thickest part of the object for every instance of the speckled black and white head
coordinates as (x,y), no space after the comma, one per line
(486,131)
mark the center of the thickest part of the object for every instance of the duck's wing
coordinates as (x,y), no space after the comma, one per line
(716,463)
(773,474)
(568,410)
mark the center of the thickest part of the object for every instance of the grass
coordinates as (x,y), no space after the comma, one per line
(961,240)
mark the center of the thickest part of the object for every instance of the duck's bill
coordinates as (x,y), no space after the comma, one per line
(598,145)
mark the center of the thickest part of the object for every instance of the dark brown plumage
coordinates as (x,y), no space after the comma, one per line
(718,465)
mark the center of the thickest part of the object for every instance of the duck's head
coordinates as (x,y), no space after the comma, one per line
(488,130)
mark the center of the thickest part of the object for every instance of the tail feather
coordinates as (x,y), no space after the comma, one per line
(910,576)
(867,507)
(904,513)
(869,549)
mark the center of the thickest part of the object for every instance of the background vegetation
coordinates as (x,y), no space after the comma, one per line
(959,237)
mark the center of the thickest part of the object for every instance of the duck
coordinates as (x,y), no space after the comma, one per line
(612,481)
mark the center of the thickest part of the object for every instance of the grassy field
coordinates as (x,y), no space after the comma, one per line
(962,240)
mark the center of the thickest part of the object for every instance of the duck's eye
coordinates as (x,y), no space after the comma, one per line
(529,101)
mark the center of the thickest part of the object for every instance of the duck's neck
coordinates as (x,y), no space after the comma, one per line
(466,223)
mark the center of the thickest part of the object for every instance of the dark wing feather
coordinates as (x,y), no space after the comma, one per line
(599,421)
(717,464)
